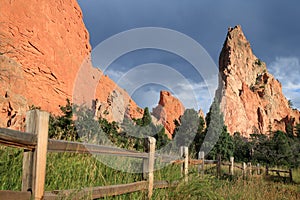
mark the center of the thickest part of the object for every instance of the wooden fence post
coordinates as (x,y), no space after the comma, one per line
(231,166)
(34,163)
(184,153)
(250,168)
(148,167)
(258,168)
(181,155)
(244,170)
(219,162)
(201,166)
(291,175)
(27,168)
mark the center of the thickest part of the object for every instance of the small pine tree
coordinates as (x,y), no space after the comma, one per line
(146,119)
(290,103)
(261,148)
(88,128)
(188,128)
(63,127)
(215,126)
(161,137)
(289,130)
(224,146)
(281,149)
(298,131)
(198,140)
(241,148)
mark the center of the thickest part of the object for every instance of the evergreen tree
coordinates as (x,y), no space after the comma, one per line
(262,149)
(241,148)
(281,149)
(224,146)
(295,149)
(290,103)
(298,131)
(89,129)
(215,126)
(146,119)
(198,140)
(289,130)
(187,129)
(138,129)
(177,124)
(63,127)
(161,137)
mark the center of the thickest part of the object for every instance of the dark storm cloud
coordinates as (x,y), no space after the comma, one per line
(271,26)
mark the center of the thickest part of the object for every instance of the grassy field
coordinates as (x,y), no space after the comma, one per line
(74,171)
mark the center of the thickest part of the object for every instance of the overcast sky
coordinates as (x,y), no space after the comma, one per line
(271,26)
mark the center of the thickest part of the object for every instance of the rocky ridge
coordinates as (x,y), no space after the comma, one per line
(43,46)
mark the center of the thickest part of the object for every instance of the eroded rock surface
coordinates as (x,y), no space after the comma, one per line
(43,47)
(251,98)
(169,109)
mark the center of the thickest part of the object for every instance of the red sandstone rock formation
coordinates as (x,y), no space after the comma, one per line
(42,46)
(251,98)
(169,108)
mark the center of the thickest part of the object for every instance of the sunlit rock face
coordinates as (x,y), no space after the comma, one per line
(44,58)
(251,98)
(169,109)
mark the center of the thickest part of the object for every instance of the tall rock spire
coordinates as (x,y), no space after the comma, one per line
(169,109)
(251,98)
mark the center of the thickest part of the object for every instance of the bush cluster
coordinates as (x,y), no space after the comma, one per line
(276,148)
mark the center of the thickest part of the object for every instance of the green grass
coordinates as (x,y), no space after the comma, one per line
(296,176)
(10,168)
(77,171)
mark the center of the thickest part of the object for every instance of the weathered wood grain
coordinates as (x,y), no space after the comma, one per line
(13,195)
(106,191)
(77,147)
(40,153)
(17,139)
(97,192)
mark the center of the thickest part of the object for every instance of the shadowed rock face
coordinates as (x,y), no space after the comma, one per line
(42,48)
(169,108)
(251,98)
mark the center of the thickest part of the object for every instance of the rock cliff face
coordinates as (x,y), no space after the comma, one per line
(251,98)
(42,46)
(169,108)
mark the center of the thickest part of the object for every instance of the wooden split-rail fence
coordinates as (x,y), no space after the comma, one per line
(36,144)
(247,169)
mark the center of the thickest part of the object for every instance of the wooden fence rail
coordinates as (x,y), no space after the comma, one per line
(13,195)
(105,191)
(17,139)
(85,148)
(247,169)
(278,171)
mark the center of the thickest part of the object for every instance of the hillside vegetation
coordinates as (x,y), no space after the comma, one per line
(76,171)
